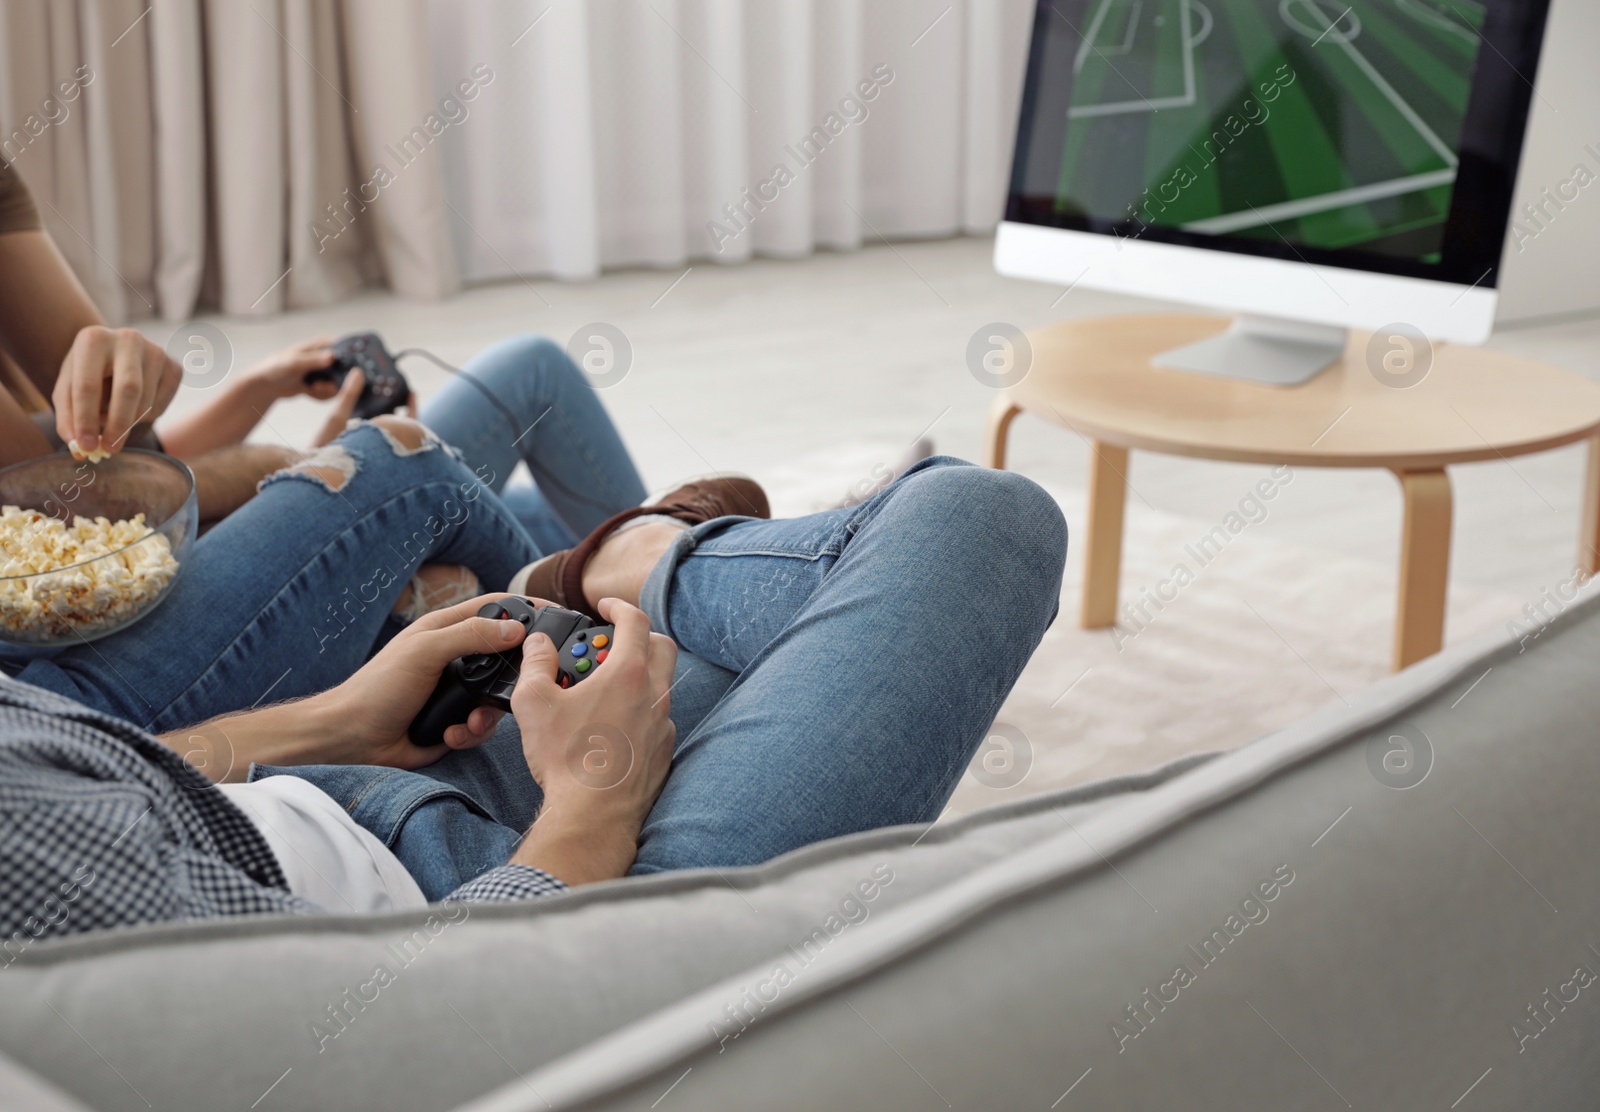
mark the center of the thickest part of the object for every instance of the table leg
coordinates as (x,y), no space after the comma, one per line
(1001,414)
(1102,553)
(1589,539)
(1424,566)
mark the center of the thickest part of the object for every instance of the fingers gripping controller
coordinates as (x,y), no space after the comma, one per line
(384,390)
(487,679)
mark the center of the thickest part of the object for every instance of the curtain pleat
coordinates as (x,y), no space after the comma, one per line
(397,124)
(275,154)
(178,74)
(716,154)
(841,63)
(641,62)
(222,153)
(248,133)
(723,129)
(120,148)
(318,164)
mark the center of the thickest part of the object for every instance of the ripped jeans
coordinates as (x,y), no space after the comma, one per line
(287,596)
(836,672)
(290,594)
(553,423)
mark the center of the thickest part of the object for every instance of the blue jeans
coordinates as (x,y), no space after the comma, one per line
(288,595)
(836,674)
(581,472)
(837,671)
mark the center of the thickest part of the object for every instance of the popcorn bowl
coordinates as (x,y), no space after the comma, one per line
(128,575)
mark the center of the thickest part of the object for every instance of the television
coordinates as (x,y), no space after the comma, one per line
(1311,166)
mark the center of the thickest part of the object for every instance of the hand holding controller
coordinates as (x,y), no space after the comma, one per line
(385,389)
(488,679)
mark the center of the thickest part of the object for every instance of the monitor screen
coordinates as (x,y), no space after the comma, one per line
(1374,134)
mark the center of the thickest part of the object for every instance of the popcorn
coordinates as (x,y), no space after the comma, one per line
(77,596)
(96,456)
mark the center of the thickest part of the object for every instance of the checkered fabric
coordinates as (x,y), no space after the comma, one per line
(102,826)
(508,882)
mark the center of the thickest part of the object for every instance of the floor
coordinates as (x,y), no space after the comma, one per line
(812,374)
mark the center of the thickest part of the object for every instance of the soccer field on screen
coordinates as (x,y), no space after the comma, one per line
(1333,125)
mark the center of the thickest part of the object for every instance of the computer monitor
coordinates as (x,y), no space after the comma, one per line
(1311,165)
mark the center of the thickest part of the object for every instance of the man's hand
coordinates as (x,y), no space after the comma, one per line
(600,750)
(112,379)
(386,693)
(363,720)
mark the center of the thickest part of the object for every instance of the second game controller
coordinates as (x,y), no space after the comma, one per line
(385,389)
(487,679)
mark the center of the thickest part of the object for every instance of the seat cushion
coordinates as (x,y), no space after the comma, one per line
(1358,918)
(429,1009)
(1389,905)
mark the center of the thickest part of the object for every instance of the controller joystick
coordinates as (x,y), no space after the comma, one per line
(487,679)
(385,389)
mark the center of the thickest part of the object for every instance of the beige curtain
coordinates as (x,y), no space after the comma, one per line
(221,153)
(621,133)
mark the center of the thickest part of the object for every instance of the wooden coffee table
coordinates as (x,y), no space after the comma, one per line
(1095,377)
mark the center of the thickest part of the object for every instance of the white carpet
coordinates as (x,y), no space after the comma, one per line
(1263,634)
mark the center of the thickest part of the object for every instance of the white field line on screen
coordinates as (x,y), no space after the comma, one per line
(1422,13)
(1306,206)
(1124,47)
(1091,34)
(1187,25)
(1440,147)
(1153,104)
(1326,202)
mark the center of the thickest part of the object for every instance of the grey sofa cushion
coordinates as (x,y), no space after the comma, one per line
(22,1089)
(988,972)
(211,1015)
(1295,925)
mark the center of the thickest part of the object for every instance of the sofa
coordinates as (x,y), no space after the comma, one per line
(1389,904)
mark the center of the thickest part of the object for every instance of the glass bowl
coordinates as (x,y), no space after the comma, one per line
(96,597)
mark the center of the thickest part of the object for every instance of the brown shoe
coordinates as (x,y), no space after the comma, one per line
(558,578)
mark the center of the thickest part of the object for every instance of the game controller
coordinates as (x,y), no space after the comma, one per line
(385,389)
(487,679)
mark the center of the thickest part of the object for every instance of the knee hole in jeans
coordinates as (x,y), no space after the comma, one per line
(405,436)
(330,466)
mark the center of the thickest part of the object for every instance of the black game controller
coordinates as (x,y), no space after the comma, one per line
(385,389)
(487,679)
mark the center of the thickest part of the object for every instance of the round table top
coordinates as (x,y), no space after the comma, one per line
(1095,376)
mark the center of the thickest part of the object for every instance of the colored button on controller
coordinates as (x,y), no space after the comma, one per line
(600,640)
(582,666)
(600,657)
(580,649)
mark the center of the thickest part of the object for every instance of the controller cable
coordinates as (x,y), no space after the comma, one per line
(511,418)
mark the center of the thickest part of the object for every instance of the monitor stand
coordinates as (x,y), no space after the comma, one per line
(1262,349)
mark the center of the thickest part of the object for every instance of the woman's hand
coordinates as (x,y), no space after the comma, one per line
(111,380)
(283,374)
(344,406)
(600,750)
(240,403)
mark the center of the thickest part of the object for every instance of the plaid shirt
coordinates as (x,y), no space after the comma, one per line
(101,826)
